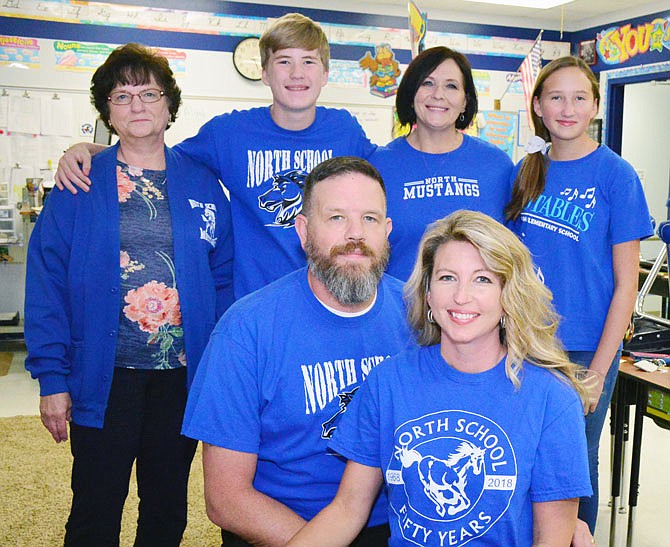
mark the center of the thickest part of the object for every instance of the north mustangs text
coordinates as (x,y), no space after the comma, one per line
(441,186)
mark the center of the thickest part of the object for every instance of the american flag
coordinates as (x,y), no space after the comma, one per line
(529,70)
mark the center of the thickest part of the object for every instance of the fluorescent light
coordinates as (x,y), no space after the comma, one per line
(537,4)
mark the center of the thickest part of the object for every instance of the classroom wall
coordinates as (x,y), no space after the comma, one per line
(211,85)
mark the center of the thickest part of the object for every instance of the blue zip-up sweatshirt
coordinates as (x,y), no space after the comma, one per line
(73,281)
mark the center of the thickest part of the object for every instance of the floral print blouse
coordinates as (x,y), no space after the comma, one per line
(150,331)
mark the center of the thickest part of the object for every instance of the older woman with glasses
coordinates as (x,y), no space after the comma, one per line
(123,288)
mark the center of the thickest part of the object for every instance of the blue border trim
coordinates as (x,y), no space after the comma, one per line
(32,28)
(51,30)
(640,59)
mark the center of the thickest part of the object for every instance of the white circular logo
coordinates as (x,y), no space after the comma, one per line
(451,477)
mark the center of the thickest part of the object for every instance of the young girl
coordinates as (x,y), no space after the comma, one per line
(580,209)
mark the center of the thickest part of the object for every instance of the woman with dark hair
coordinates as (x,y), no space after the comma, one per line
(437,169)
(468,430)
(124,286)
(581,210)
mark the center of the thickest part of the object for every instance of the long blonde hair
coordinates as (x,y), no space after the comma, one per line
(530,180)
(530,319)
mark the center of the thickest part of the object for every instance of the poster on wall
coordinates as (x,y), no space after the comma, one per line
(499,129)
(616,45)
(86,57)
(80,56)
(22,52)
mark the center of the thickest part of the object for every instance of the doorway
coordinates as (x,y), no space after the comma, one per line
(635,125)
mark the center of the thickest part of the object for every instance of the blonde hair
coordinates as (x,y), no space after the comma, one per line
(294,30)
(530,180)
(530,319)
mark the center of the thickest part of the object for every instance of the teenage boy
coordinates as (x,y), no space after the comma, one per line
(262,155)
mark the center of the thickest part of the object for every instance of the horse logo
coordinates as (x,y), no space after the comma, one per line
(284,199)
(444,481)
(208,217)
(450,477)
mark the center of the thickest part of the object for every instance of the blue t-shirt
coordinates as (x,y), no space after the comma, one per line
(422,188)
(464,456)
(264,166)
(588,205)
(277,376)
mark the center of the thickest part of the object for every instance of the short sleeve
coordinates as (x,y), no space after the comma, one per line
(560,470)
(630,217)
(223,405)
(357,437)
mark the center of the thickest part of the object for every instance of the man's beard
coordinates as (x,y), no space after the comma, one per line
(350,284)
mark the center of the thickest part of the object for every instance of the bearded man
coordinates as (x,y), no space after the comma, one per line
(283,363)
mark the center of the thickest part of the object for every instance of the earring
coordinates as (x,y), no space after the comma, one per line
(431,319)
(461,118)
(503,322)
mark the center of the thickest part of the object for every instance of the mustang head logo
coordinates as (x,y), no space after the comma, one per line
(284,198)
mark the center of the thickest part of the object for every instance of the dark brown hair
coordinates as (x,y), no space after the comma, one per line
(416,73)
(133,64)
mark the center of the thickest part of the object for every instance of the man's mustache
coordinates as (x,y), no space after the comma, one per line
(351,247)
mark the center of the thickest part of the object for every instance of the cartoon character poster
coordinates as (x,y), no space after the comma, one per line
(384,69)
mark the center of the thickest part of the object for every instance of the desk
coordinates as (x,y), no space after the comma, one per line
(11,333)
(633,387)
(660,285)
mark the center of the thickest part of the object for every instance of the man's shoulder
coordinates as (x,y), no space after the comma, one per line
(333,112)
(237,117)
(286,287)
(392,283)
(337,119)
(393,294)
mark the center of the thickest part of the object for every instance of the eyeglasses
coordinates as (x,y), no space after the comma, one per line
(146,96)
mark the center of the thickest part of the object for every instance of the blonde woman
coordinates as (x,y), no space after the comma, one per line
(468,431)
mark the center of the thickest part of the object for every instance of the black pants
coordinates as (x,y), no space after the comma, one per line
(142,422)
(374,536)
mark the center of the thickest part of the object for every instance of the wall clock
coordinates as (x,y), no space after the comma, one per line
(247,58)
